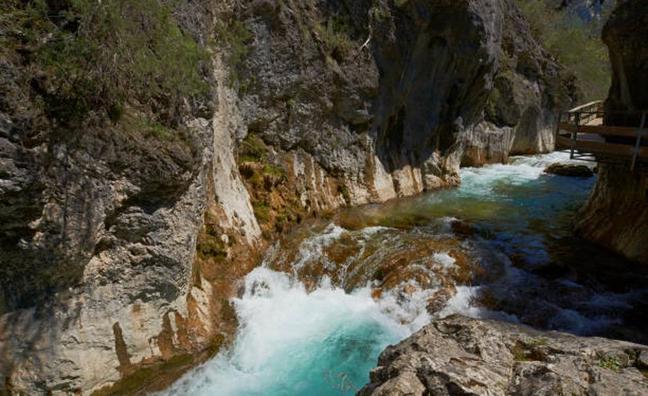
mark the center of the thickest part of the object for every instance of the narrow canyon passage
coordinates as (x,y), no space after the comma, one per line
(334,293)
(323,197)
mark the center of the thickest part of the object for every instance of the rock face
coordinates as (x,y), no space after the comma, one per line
(375,96)
(120,250)
(464,356)
(617,213)
(99,239)
(625,35)
(530,88)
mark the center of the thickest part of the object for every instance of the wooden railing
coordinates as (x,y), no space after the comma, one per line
(583,133)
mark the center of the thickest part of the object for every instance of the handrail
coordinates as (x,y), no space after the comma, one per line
(586,105)
(584,122)
(605,130)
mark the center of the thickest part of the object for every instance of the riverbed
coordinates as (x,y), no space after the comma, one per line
(330,296)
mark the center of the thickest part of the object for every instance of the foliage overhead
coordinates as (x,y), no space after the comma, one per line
(574,42)
(98,56)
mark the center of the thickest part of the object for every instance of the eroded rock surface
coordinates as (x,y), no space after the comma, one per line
(458,355)
(616,215)
(530,88)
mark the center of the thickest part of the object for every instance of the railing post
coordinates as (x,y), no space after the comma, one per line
(574,135)
(637,147)
(557,131)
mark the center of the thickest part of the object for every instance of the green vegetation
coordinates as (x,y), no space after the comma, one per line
(380,13)
(344,191)
(93,57)
(527,351)
(274,171)
(335,38)
(252,149)
(262,212)
(147,127)
(234,35)
(576,44)
(610,362)
(210,243)
(275,200)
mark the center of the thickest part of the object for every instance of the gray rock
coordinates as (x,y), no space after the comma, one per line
(530,87)
(573,170)
(642,360)
(458,355)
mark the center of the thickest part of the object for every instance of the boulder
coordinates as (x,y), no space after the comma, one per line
(572,170)
(462,356)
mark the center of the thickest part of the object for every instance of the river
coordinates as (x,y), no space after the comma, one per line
(333,294)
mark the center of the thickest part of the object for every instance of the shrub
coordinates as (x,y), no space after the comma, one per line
(335,38)
(234,35)
(97,55)
(252,149)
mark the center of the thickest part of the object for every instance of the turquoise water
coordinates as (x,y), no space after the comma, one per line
(324,341)
(292,342)
(529,210)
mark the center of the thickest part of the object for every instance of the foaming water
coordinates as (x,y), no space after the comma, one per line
(294,342)
(315,317)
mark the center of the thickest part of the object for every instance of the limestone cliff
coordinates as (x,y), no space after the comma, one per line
(100,276)
(530,88)
(617,213)
(374,93)
(121,248)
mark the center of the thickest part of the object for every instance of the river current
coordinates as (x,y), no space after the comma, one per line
(331,296)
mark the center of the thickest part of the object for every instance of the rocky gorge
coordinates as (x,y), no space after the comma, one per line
(122,247)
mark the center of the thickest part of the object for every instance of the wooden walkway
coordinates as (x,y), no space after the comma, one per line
(583,132)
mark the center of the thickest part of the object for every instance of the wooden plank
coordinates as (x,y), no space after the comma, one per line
(601,148)
(604,130)
(563,142)
(586,105)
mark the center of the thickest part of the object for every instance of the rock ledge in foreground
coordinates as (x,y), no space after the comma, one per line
(462,356)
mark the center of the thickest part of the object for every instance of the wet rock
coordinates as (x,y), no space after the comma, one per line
(458,355)
(572,170)
(462,228)
(439,299)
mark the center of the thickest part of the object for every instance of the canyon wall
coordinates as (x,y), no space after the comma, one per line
(121,249)
(616,215)
(530,88)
